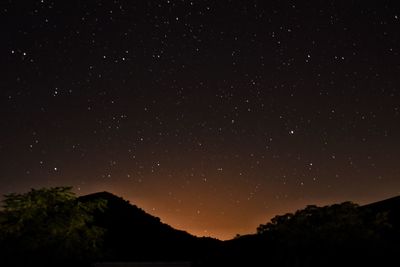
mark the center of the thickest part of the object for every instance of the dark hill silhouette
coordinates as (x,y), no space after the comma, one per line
(392,203)
(391,206)
(337,235)
(134,235)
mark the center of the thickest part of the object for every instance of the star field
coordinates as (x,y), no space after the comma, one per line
(213,115)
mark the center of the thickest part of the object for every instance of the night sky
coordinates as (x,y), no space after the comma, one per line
(212,115)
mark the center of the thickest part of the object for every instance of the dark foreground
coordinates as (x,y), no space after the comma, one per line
(51,227)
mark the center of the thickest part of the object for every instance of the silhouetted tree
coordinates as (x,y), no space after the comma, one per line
(327,235)
(48,226)
(336,223)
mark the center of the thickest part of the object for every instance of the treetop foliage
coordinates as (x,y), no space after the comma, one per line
(343,222)
(49,221)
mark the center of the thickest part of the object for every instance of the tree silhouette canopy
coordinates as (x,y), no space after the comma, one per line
(48,225)
(52,227)
(328,236)
(337,223)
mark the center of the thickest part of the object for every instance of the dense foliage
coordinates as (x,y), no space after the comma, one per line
(337,235)
(48,226)
(51,227)
(336,224)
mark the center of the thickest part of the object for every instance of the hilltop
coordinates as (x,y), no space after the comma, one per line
(51,226)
